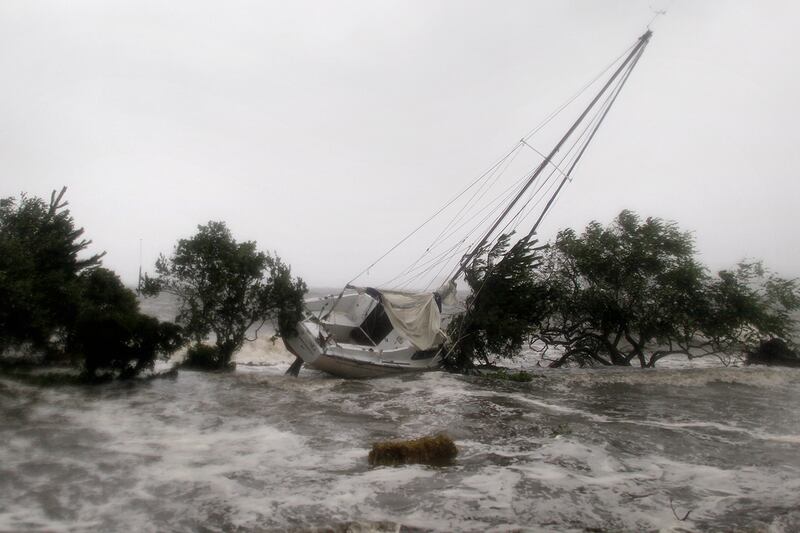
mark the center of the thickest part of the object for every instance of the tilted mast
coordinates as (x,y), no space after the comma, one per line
(629,63)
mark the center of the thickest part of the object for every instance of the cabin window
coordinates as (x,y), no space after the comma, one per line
(375,327)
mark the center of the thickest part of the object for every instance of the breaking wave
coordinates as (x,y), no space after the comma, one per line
(574,449)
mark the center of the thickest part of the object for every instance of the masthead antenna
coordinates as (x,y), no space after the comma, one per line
(656,13)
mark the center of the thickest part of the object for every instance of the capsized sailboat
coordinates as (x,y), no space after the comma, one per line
(367,332)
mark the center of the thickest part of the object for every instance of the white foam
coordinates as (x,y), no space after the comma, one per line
(256,450)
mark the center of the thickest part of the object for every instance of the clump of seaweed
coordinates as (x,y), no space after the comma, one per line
(559,430)
(436,450)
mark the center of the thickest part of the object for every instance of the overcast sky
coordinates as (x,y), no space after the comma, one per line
(327,130)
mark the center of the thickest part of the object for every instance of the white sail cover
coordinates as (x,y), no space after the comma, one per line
(416,316)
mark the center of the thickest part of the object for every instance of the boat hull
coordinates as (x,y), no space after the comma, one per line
(356,362)
(345,367)
(346,336)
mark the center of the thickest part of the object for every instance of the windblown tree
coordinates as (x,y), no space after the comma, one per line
(634,292)
(506,301)
(749,306)
(39,268)
(226,288)
(57,303)
(111,335)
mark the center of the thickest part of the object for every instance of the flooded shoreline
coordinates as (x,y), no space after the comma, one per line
(255,450)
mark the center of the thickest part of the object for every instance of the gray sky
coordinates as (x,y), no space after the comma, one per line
(327,130)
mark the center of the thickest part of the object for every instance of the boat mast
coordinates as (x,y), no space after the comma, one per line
(632,56)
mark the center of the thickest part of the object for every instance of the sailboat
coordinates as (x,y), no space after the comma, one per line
(368,331)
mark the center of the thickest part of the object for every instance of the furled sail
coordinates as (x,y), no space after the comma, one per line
(415,315)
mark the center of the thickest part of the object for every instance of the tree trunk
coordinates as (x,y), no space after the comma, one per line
(226,349)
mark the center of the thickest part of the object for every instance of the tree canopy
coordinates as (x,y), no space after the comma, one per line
(39,268)
(631,292)
(635,291)
(63,305)
(226,288)
(503,306)
(110,334)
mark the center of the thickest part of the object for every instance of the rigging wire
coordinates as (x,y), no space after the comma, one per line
(589,139)
(434,243)
(597,119)
(498,162)
(642,41)
(455,249)
(573,155)
(610,101)
(575,96)
(498,200)
(568,156)
(524,139)
(463,245)
(483,191)
(547,182)
(415,230)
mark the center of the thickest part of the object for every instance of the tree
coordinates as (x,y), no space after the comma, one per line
(68,307)
(39,267)
(227,288)
(505,300)
(634,291)
(748,306)
(111,335)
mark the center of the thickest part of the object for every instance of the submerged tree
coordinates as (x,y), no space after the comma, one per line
(505,302)
(226,288)
(634,291)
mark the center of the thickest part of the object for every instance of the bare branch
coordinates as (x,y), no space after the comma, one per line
(675,513)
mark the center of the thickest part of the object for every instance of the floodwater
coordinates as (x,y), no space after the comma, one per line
(573,450)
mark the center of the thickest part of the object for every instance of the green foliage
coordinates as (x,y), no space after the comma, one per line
(39,265)
(773,352)
(66,306)
(748,305)
(436,450)
(505,300)
(226,287)
(205,357)
(634,291)
(110,333)
(560,430)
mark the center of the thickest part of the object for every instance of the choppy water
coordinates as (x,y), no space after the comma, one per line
(253,450)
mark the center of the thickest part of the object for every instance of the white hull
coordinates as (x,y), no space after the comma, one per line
(344,344)
(345,367)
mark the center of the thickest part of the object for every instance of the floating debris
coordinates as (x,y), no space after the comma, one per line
(434,450)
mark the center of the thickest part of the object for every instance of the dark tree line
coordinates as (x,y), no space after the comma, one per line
(58,306)
(632,292)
